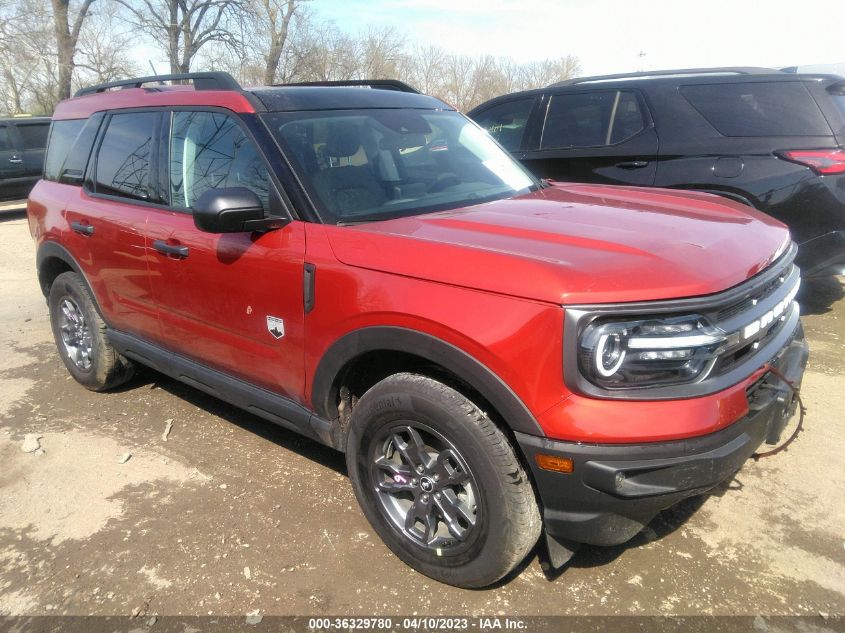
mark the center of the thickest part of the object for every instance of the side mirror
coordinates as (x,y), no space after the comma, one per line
(232,210)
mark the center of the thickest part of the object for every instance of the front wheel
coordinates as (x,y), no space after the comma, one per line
(439,482)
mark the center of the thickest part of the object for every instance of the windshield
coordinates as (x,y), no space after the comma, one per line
(363,165)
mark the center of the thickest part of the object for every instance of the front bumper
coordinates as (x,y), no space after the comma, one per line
(615,490)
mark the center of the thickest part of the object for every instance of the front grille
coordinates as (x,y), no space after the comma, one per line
(747,303)
(759,298)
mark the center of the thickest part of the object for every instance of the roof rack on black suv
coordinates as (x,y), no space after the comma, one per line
(383,84)
(770,139)
(202,81)
(683,72)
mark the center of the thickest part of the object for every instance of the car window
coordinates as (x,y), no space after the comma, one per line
(5,142)
(506,122)
(591,119)
(837,93)
(365,165)
(34,135)
(62,137)
(627,120)
(758,109)
(123,161)
(209,150)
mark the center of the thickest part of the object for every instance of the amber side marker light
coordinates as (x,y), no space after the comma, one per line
(555,463)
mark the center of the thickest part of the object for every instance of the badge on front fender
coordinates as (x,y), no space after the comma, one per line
(276,326)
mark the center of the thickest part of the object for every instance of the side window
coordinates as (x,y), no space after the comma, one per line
(34,135)
(61,140)
(627,120)
(123,162)
(591,119)
(506,122)
(5,141)
(782,108)
(209,150)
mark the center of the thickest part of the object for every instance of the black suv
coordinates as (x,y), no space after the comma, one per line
(22,143)
(770,139)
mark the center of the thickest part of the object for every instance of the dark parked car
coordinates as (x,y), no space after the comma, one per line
(770,139)
(22,144)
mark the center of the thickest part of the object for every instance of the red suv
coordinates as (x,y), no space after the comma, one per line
(499,357)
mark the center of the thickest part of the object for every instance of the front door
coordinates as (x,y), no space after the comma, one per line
(231,301)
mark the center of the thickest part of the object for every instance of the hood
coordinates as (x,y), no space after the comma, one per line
(574,244)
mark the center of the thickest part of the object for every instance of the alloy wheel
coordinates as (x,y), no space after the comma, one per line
(425,487)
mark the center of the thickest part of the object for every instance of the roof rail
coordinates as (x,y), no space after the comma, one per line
(383,84)
(727,70)
(201,81)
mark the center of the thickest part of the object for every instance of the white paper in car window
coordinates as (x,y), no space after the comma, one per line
(493,158)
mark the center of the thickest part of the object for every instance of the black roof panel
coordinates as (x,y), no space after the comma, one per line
(293,98)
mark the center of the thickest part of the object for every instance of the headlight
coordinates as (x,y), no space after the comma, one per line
(648,352)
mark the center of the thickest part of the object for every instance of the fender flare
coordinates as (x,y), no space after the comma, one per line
(397,339)
(50,249)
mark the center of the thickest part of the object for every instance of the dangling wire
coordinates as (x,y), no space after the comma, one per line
(801,412)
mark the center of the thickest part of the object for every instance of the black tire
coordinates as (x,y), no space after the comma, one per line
(99,367)
(505,524)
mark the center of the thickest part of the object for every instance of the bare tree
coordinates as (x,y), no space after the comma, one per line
(380,53)
(548,71)
(67,28)
(185,25)
(273,22)
(103,49)
(28,77)
(425,68)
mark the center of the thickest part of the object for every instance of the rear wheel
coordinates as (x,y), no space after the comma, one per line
(80,335)
(439,482)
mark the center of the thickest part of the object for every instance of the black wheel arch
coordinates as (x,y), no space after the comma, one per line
(736,196)
(53,259)
(353,346)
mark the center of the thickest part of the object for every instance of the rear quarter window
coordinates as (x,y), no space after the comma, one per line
(758,108)
(837,93)
(62,136)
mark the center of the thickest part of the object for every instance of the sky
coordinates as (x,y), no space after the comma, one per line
(610,36)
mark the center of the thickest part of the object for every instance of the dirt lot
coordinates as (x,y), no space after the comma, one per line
(230,514)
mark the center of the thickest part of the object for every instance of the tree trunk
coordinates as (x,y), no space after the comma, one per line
(67,35)
(64,47)
(278,38)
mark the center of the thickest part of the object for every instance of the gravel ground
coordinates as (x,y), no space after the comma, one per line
(229,515)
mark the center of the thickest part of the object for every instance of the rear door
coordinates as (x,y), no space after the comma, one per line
(598,135)
(109,215)
(234,301)
(12,182)
(32,137)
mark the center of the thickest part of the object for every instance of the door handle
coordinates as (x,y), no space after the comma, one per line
(632,164)
(174,250)
(83,228)
(15,160)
